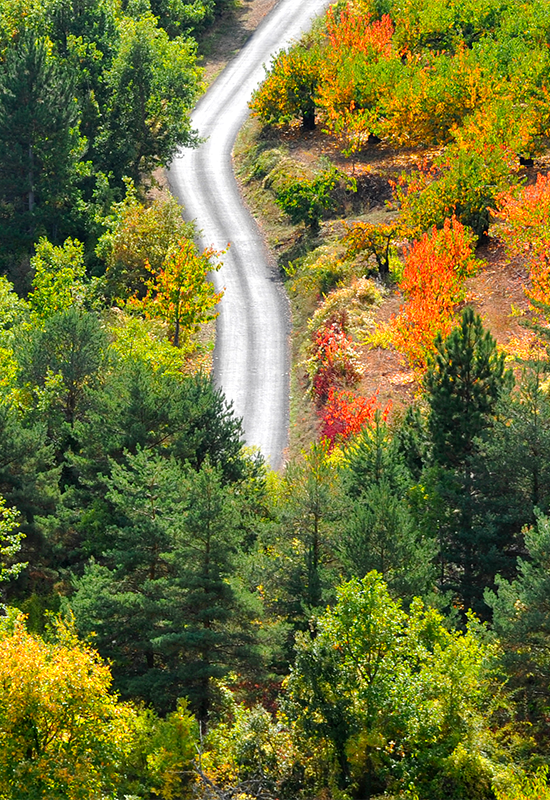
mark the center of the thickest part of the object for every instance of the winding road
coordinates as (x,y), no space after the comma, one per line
(251,358)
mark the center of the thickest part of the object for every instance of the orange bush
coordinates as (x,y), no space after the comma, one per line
(346,414)
(527,233)
(435,271)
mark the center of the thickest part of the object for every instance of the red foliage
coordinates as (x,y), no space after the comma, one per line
(346,414)
(352,31)
(433,280)
(333,362)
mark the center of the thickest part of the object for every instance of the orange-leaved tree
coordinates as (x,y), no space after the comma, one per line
(526,216)
(433,283)
(348,91)
(180,293)
(352,30)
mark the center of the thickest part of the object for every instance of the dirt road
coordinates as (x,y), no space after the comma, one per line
(251,359)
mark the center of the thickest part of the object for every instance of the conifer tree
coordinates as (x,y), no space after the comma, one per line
(165,604)
(380,531)
(521,618)
(464,383)
(39,145)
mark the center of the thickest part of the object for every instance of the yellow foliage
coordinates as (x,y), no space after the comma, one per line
(62,733)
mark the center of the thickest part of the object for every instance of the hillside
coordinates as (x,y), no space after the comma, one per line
(178,620)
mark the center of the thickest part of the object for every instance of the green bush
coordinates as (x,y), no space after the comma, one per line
(305,200)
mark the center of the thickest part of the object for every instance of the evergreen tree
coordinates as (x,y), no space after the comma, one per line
(464,383)
(298,545)
(516,454)
(378,526)
(165,605)
(61,364)
(28,478)
(39,146)
(521,619)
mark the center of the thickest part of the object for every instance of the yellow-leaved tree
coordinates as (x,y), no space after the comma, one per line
(180,292)
(63,734)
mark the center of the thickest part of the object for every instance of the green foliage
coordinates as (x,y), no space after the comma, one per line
(59,278)
(394,694)
(10,543)
(152,85)
(61,363)
(380,531)
(305,200)
(465,182)
(298,573)
(521,620)
(182,618)
(64,734)
(521,786)
(137,241)
(463,383)
(40,146)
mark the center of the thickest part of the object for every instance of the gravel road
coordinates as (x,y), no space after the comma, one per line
(251,359)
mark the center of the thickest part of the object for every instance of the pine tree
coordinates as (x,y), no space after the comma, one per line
(39,145)
(379,529)
(165,604)
(464,383)
(521,619)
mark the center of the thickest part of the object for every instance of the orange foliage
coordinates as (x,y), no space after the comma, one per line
(433,284)
(527,233)
(346,414)
(180,293)
(352,31)
(353,42)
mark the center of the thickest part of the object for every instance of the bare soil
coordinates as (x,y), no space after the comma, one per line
(496,292)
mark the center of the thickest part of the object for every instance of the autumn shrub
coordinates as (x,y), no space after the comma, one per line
(433,284)
(348,90)
(526,232)
(345,414)
(333,361)
(356,300)
(180,293)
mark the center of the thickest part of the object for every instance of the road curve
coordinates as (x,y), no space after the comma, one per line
(251,358)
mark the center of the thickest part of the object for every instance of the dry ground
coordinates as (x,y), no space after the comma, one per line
(496,292)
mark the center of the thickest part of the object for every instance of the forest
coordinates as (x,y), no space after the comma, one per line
(177,619)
